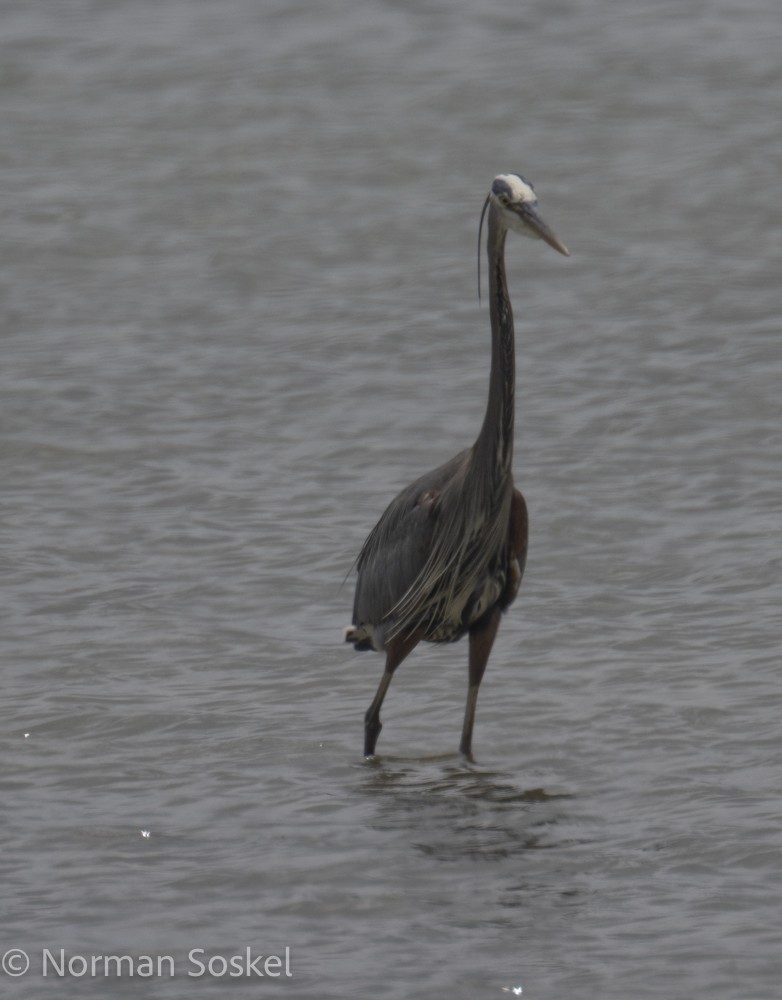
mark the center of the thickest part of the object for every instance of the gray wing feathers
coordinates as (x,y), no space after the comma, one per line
(434,541)
(400,544)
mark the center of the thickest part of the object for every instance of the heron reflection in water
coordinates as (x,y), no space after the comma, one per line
(447,556)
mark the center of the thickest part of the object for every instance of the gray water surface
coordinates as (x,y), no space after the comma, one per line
(238,312)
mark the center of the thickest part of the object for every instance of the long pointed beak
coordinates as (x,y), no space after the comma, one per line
(530,217)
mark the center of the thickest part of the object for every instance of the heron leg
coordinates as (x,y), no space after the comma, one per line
(396,651)
(481,640)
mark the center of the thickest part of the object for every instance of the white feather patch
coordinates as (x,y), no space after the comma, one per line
(520,190)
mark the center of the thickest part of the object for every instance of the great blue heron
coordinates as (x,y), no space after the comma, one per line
(447,556)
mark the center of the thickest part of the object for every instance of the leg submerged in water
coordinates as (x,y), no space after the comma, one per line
(396,651)
(481,640)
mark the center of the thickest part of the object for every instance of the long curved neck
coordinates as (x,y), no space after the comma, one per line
(495,441)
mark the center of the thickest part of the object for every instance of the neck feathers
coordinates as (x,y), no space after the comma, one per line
(495,441)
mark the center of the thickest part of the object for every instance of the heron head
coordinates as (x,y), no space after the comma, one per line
(515,201)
